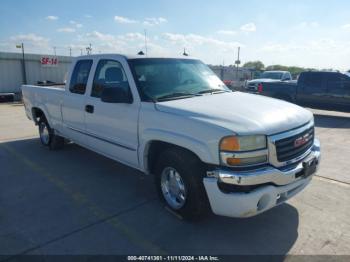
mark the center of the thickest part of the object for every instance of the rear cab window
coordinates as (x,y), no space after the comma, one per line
(313,80)
(337,81)
(80,77)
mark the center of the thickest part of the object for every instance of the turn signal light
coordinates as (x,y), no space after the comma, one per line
(233,161)
(230,143)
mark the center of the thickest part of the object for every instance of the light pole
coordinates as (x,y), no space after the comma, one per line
(146,42)
(238,62)
(89,50)
(24,74)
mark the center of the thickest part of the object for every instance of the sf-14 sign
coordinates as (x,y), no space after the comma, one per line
(49,61)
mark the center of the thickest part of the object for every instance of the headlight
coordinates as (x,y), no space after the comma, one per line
(242,143)
(243,150)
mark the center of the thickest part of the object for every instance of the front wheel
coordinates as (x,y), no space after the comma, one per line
(179,181)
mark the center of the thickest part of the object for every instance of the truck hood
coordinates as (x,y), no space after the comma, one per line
(240,113)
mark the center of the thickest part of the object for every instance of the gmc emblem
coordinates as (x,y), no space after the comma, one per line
(302,140)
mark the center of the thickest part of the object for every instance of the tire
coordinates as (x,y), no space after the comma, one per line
(48,137)
(188,173)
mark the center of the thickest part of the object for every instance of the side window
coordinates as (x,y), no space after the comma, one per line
(288,76)
(313,81)
(345,82)
(80,77)
(109,74)
(334,81)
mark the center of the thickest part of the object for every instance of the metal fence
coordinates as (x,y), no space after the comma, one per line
(11,75)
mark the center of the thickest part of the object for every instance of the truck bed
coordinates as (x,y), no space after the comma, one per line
(283,90)
(48,97)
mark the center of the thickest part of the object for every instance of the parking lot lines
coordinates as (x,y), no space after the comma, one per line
(82,200)
(77,202)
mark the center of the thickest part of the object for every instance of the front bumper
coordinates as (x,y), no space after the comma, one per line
(280,185)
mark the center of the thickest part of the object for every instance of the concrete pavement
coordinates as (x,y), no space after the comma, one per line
(75,201)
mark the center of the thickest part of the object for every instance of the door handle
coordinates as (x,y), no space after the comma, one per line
(89,109)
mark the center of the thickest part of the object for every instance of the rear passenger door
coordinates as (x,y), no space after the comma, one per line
(338,88)
(312,88)
(73,104)
(112,127)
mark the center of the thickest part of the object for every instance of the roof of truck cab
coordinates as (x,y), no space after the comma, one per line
(135,56)
(276,71)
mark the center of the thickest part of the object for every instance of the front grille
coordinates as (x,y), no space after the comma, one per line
(294,146)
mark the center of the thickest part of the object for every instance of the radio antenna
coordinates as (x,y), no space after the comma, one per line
(146,42)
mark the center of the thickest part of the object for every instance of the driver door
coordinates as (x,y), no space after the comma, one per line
(112,127)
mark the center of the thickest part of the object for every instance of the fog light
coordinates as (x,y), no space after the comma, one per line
(263,202)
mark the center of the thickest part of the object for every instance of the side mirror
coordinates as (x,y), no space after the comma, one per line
(116,95)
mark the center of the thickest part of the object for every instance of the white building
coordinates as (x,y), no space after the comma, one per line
(11,73)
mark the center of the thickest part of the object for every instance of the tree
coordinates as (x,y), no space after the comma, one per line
(256,65)
(294,70)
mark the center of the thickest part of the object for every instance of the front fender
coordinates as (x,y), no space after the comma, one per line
(199,148)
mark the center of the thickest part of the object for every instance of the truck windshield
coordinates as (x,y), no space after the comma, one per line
(271,75)
(160,79)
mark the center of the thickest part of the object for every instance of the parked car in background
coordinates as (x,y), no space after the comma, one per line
(175,119)
(268,77)
(311,88)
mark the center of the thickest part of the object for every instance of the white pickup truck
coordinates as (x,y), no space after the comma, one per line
(237,154)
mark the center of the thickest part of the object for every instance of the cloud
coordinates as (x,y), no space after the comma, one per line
(194,40)
(346,27)
(100,36)
(132,37)
(275,47)
(227,32)
(52,17)
(66,30)
(149,21)
(31,41)
(314,24)
(323,45)
(129,43)
(115,40)
(76,24)
(124,20)
(152,21)
(88,16)
(30,38)
(306,24)
(250,27)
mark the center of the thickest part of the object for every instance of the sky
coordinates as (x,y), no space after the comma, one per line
(295,33)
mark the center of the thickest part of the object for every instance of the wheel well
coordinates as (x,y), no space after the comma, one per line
(37,114)
(155,148)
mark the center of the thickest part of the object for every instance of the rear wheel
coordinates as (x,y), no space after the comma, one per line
(179,181)
(48,137)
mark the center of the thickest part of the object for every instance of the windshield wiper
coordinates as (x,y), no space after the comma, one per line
(212,91)
(177,95)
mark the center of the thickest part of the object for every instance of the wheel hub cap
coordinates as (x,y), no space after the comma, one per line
(173,188)
(44,134)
